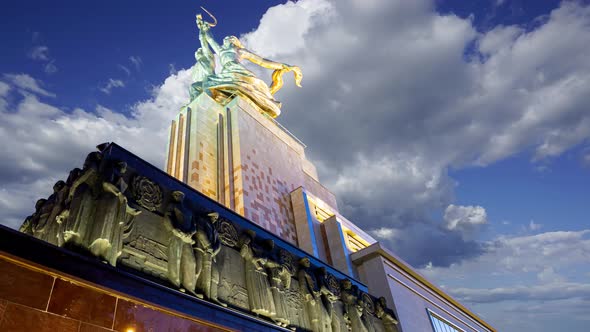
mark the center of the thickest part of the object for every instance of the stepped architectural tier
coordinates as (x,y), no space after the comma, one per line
(132,216)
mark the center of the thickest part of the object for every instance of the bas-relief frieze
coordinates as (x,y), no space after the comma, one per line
(111,211)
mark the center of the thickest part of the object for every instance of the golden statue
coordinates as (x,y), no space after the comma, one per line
(234,78)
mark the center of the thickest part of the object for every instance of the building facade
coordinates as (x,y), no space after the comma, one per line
(247,161)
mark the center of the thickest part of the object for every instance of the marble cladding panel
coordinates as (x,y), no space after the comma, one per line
(75,307)
(139,318)
(82,303)
(203,151)
(84,327)
(271,169)
(24,286)
(19,318)
(2,308)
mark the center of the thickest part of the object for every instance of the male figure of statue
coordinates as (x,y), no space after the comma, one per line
(181,259)
(206,247)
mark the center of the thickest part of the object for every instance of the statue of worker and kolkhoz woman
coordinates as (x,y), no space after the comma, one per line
(234,78)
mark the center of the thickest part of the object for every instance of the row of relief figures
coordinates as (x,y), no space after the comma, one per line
(122,217)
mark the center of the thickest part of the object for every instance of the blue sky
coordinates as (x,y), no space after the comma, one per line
(456,132)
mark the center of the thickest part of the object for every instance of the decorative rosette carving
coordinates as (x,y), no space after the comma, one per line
(368,303)
(146,193)
(228,235)
(333,284)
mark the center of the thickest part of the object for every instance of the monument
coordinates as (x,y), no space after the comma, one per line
(237,233)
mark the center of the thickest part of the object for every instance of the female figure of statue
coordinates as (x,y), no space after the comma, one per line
(30,224)
(113,216)
(280,280)
(259,292)
(234,78)
(82,200)
(353,307)
(386,315)
(318,317)
(180,222)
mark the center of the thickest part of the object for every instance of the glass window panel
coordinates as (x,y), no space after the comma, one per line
(440,325)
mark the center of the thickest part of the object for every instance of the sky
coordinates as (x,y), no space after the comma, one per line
(455,132)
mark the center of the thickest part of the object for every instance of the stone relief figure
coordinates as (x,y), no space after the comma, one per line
(180,222)
(207,246)
(46,227)
(353,307)
(386,315)
(62,217)
(280,281)
(113,217)
(234,78)
(83,193)
(29,226)
(368,312)
(329,295)
(53,224)
(259,294)
(317,315)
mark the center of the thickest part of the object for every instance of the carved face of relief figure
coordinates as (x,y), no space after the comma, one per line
(178,196)
(305,263)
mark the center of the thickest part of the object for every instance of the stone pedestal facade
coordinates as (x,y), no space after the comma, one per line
(244,160)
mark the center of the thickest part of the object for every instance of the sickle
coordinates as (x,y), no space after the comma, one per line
(213,17)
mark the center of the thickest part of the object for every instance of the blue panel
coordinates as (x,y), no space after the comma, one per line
(346,253)
(314,244)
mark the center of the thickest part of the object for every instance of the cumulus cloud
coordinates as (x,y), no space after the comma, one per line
(111,84)
(41,53)
(392,100)
(464,219)
(51,141)
(515,274)
(26,84)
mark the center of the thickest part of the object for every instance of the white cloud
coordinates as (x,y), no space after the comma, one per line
(40,53)
(546,292)
(534,226)
(52,141)
(136,61)
(384,233)
(542,256)
(538,277)
(273,36)
(4,88)
(391,101)
(125,69)
(465,219)
(50,68)
(111,84)
(26,83)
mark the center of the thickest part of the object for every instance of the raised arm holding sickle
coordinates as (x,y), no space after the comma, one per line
(234,78)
